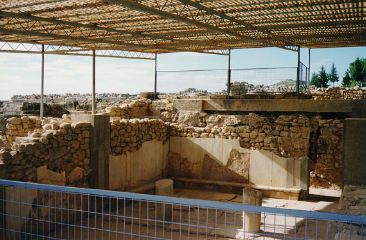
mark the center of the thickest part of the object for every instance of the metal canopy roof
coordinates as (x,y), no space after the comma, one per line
(158,26)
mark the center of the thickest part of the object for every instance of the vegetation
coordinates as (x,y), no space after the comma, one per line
(333,75)
(320,79)
(357,70)
(354,76)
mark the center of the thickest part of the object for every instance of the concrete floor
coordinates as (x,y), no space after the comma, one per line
(142,221)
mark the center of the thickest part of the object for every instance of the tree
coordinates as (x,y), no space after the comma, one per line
(346,82)
(323,77)
(357,70)
(314,80)
(333,75)
(320,79)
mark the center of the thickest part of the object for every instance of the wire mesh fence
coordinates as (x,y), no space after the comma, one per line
(250,80)
(211,80)
(35,211)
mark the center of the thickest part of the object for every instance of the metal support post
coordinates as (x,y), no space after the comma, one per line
(298,74)
(229,75)
(41,112)
(309,66)
(156,76)
(93,97)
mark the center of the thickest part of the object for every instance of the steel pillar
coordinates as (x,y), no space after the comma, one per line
(229,75)
(41,112)
(93,97)
(156,76)
(298,74)
(309,66)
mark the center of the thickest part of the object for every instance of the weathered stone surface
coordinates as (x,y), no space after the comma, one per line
(285,135)
(135,109)
(215,171)
(239,163)
(128,135)
(77,175)
(46,176)
(342,93)
(59,149)
(352,201)
(21,126)
(328,165)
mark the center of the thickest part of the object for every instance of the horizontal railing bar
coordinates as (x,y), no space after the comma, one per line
(219,69)
(356,219)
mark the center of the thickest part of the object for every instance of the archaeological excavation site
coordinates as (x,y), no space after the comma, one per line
(254,161)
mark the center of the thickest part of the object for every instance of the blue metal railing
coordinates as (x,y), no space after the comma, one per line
(37,211)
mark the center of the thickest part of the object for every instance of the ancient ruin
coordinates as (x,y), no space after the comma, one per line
(260,154)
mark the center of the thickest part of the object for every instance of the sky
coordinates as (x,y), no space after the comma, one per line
(21,73)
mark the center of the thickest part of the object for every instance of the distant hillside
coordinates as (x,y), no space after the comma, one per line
(285,83)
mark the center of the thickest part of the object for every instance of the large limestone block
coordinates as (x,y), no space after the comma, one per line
(46,176)
(164,187)
(252,221)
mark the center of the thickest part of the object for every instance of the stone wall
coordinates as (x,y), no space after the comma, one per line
(284,135)
(3,123)
(139,152)
(222,159)
(341,93)
(21,126)
(63,149)
(133,169)
(135,109)
(293,135)
(128,135)
(329,152)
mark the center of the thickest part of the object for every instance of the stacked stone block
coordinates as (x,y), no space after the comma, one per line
(285,135)
(21,126)
(136,109)
(60,149)
(128,135)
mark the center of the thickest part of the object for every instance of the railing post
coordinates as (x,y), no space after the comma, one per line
(156,76)
(298,73)
(229,75)
(309,67)
(93,94)
(41,112)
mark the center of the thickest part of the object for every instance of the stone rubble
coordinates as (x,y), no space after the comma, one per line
(136,109)
(341,93)
(21,126)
